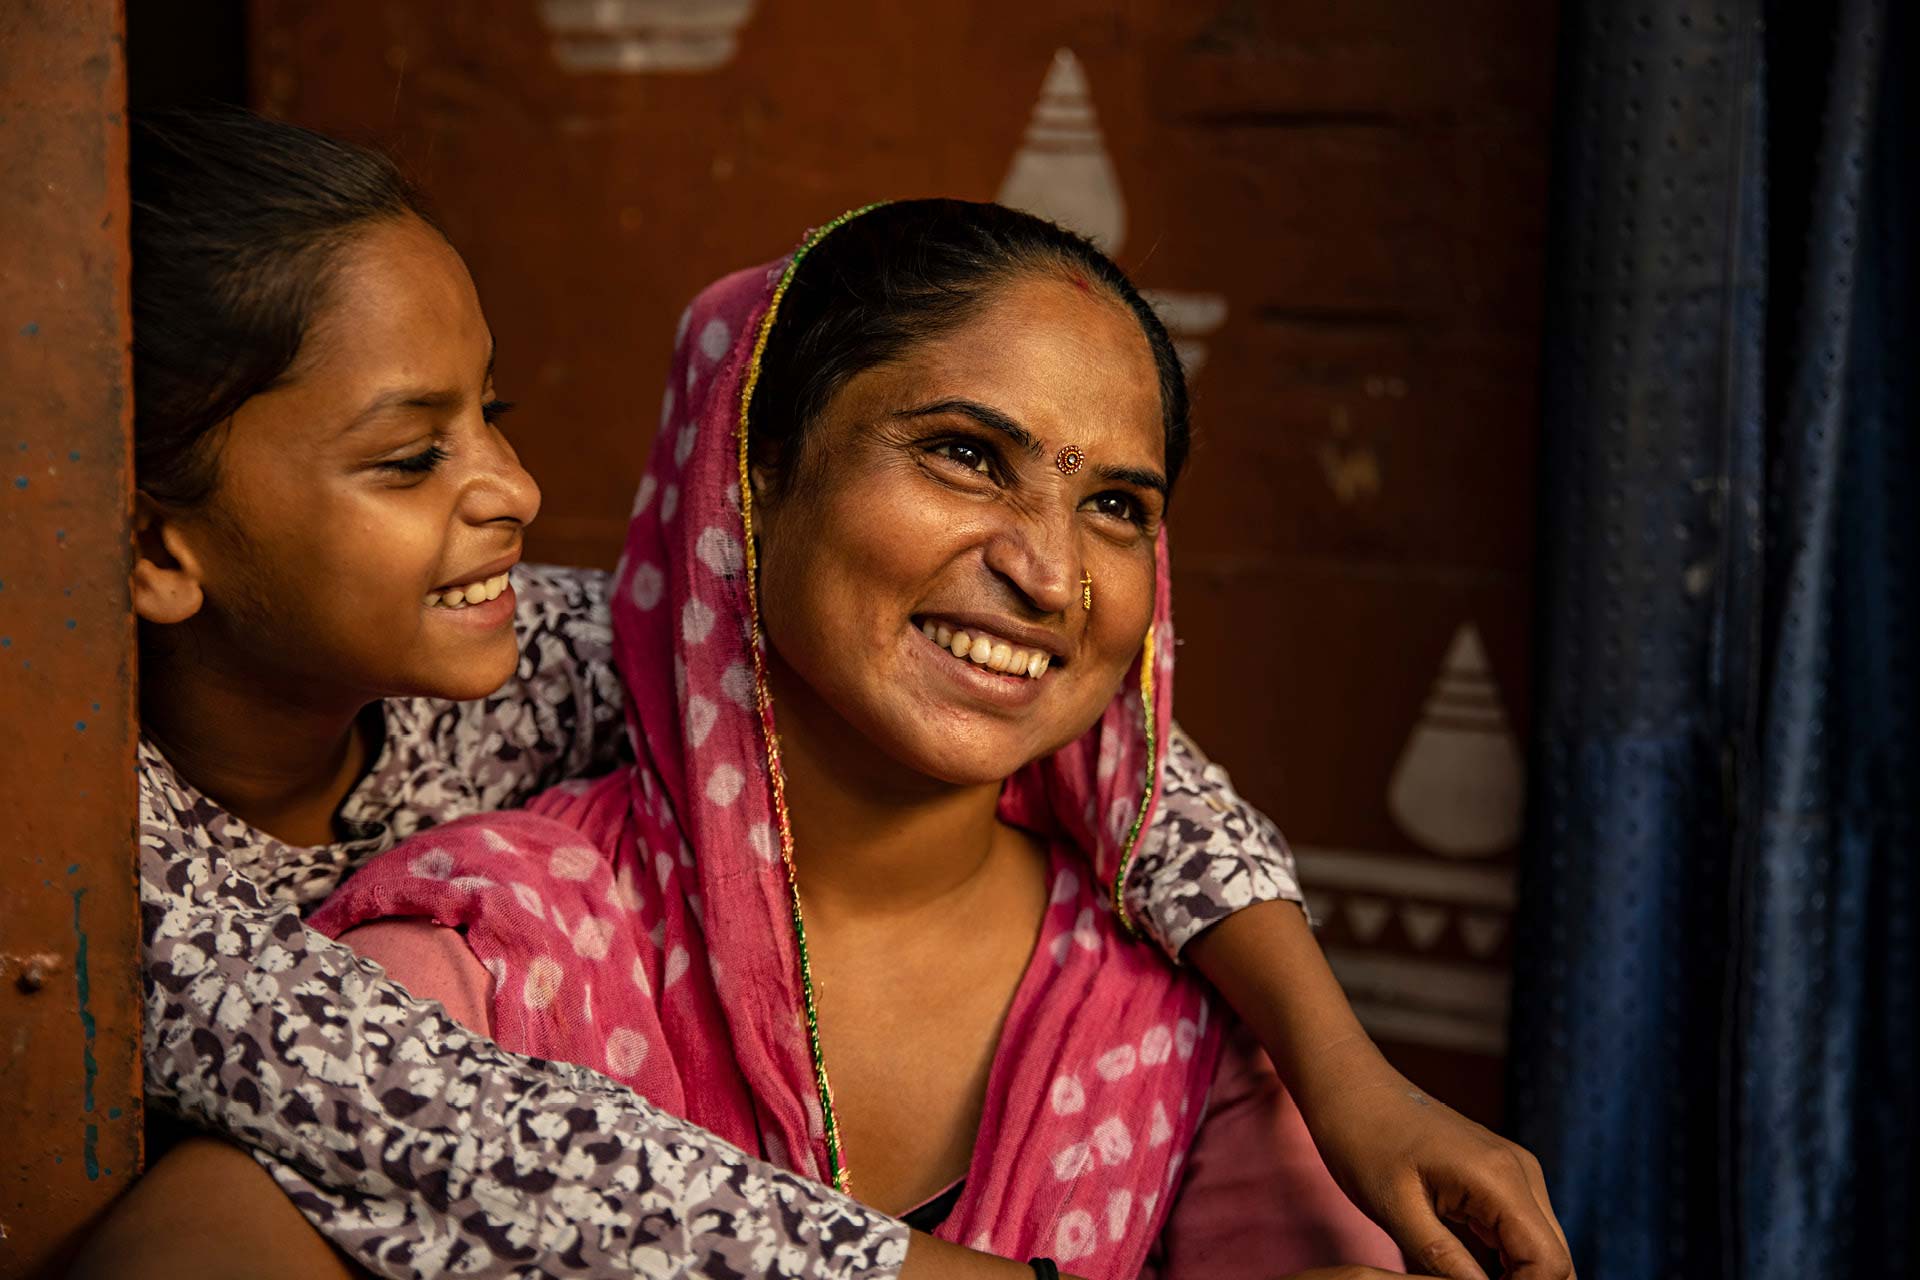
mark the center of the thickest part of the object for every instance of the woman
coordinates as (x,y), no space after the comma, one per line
(320,479)
(901,546)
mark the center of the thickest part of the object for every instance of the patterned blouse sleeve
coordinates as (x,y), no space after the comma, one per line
(1208,854)
(422,1150)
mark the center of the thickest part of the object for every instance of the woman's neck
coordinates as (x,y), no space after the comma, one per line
(280,765)
(871,836)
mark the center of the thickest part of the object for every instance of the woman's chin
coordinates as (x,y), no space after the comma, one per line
(962,756)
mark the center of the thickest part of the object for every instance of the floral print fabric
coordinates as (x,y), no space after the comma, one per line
(423,1150)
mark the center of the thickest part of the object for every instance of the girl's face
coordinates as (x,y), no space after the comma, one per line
(929,498)
(362,502)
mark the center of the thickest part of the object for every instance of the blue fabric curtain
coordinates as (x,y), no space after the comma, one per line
(1714,1019)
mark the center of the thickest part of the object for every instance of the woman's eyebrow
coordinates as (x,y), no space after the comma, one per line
(988,416)
(1136,476)
(985,415)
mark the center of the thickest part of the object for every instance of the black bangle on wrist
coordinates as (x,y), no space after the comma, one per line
(1044,1269)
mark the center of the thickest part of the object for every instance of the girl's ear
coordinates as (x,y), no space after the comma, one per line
(166,568)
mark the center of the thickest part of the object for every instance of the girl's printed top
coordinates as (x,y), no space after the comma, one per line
(422,1149)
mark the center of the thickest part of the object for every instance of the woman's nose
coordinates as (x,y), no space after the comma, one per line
(1040,559)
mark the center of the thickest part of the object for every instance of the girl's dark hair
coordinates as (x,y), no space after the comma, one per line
(237,222)
(906,272)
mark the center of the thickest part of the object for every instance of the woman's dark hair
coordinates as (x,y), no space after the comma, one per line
(906,272)
(237,222)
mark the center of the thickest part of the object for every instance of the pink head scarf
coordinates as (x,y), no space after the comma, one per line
(647,924)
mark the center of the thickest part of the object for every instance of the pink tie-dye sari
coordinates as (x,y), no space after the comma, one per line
(647,925)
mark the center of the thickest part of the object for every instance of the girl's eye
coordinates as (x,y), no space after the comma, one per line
(493,409)
(418,464)
(970,456)
(1121,506)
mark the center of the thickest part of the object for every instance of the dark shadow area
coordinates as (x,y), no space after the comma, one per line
(186,55)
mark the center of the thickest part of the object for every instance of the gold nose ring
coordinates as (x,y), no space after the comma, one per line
(1086,591)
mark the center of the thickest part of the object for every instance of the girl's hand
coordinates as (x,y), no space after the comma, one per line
(1419,1168)
(1415,1166)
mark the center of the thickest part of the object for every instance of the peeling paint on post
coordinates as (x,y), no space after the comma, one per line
(70,1120)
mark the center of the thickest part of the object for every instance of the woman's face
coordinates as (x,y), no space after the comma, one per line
(367,509)
(928,498)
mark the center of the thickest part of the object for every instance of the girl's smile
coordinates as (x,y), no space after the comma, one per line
(482,600)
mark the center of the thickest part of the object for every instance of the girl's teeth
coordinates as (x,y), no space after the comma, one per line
(1001,659)
(981,650)
(961,644)
(471,593)
(943,636)
(1036,664)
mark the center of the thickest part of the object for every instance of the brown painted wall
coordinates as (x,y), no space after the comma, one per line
(69,997)
(1343,203)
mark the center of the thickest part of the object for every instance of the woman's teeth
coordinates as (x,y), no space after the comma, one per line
(985,651)
(471,593)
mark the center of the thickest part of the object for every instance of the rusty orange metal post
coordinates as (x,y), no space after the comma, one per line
(70,1121)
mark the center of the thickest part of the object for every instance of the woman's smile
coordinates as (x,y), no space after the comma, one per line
(997,647)
(953,678)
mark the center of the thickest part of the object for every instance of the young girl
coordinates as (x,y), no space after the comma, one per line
(338,650)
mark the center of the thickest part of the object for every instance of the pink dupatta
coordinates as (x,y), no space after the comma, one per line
(647,924)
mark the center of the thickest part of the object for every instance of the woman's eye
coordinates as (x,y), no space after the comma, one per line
(418,464)
(1120,506)
(492,410)
(970,456)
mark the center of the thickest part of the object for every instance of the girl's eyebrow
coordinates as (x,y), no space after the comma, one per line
(414,398)
(402,398)
(985,415)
